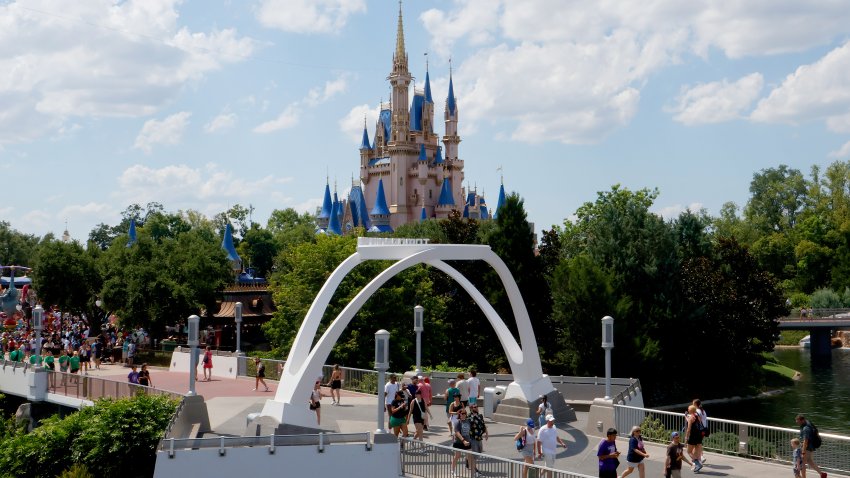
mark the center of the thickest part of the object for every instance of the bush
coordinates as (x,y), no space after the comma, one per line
(653,430)
(76,471)
(104,438)
(826,299)
(722,442)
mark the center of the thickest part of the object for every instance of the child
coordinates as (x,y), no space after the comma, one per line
(797,457)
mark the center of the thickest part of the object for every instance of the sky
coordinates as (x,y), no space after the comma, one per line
(204,104)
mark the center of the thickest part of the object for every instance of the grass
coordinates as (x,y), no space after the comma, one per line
(791,337)
(776,374)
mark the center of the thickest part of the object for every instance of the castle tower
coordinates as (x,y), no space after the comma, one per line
(454,166)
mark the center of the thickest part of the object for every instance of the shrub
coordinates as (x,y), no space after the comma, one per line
(826,299)
(76,471)
(104,438)
(653,430)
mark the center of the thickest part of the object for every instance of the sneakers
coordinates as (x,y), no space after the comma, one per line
(697,466)
(267,389)
(254,390)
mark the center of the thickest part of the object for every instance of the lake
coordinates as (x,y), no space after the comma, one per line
(822,395)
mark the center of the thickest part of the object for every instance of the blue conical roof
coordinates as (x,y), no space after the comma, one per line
(227,244)
(450,102)
(438,158)
(326,203)
(424,215)
(132,233)
(446,196)
(357,202)
(428,88)
(501,201)
(422,155)
(334,225)
(380,208)
(364,144)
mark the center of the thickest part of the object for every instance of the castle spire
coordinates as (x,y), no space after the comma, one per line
(428,97)
(451,104)
(399,39)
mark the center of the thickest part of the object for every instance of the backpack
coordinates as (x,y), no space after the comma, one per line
(816,440)
(520,442)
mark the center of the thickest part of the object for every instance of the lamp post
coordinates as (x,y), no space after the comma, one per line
(382,363)
(418,319)
(37,324)
(194,321)
(607,344)
(238,319)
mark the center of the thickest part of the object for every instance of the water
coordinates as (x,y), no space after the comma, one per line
(822,395)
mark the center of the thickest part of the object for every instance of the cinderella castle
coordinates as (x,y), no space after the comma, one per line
(405,174)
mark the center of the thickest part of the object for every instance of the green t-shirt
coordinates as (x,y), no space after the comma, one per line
(48,361)
(16,355)
(35,359)
(63,362)
(75,363)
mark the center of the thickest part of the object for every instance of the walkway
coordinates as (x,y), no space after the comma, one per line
(229,401)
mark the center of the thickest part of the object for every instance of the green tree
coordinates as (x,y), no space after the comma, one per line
(16,248)
(778,195)
(65,275)
(259,248)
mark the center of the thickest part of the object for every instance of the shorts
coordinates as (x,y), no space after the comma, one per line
(633,464)
(460,446)
(695,439)
(85,360)
(476,445)
(549,459)
(336,384)
(527,451)
(607,473)
(260,374)
(397,422)
(473,400)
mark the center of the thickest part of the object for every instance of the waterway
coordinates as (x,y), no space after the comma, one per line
(822,395)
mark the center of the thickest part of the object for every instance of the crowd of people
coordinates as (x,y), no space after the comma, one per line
(68,345)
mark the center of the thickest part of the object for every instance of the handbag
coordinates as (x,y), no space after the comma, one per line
(520,442)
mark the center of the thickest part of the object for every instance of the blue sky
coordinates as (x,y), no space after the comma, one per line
(203,104)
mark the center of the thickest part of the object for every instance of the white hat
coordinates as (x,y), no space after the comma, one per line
(550,418)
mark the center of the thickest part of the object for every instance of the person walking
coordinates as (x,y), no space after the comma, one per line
(703,419)
(133,376)
(427,395)
(675,457)
(419,411)
(260,375)
(399,414)
(693,437)
(208,365)
(316,401)
(524,440)
(808,436)
(636,454)
(797,457)
(547,443)
(474,385)
(145,376)
(608,455)
(454,410)
(390,388)
(451,391)
(463,441)
(464,389)
(543,410)
(336,384)
(477,432)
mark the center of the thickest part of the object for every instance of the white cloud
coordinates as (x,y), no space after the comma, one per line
(717,101)
(290,115)
(820,90)
(190,187)
(168,131)
(352,123)
(221,122)
(308,16)
(582,66)
(286,119)
(99,59)
(839,124)
(842,152)
(673,211)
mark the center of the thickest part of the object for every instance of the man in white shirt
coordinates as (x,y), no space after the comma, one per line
(547,443)
(390,388)
(474,386)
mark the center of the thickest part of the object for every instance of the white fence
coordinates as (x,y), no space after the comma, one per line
(749,440)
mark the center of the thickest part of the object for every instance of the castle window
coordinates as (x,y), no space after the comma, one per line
(401,181)
(429,194)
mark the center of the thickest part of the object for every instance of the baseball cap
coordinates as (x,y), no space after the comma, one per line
(674,434)
(550,418)
(530,423)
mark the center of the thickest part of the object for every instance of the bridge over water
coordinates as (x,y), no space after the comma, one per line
(821,323)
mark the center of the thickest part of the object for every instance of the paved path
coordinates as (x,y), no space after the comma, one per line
(229,401)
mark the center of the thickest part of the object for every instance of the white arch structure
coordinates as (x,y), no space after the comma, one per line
(304,363)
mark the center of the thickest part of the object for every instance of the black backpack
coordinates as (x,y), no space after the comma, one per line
(815,441)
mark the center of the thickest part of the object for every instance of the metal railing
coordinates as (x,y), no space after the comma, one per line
(813,314)
(222,443)
(749,440)
(425,459)
(91,388)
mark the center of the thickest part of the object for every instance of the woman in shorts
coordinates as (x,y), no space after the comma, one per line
(399,414)
(419,410)
(526,434)
(693,436)
(336,384)
(636,454)
(462,439)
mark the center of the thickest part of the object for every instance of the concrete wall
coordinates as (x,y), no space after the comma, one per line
(29,382)
(382,461)
(224,366)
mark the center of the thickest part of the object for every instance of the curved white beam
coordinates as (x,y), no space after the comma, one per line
(304,365)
